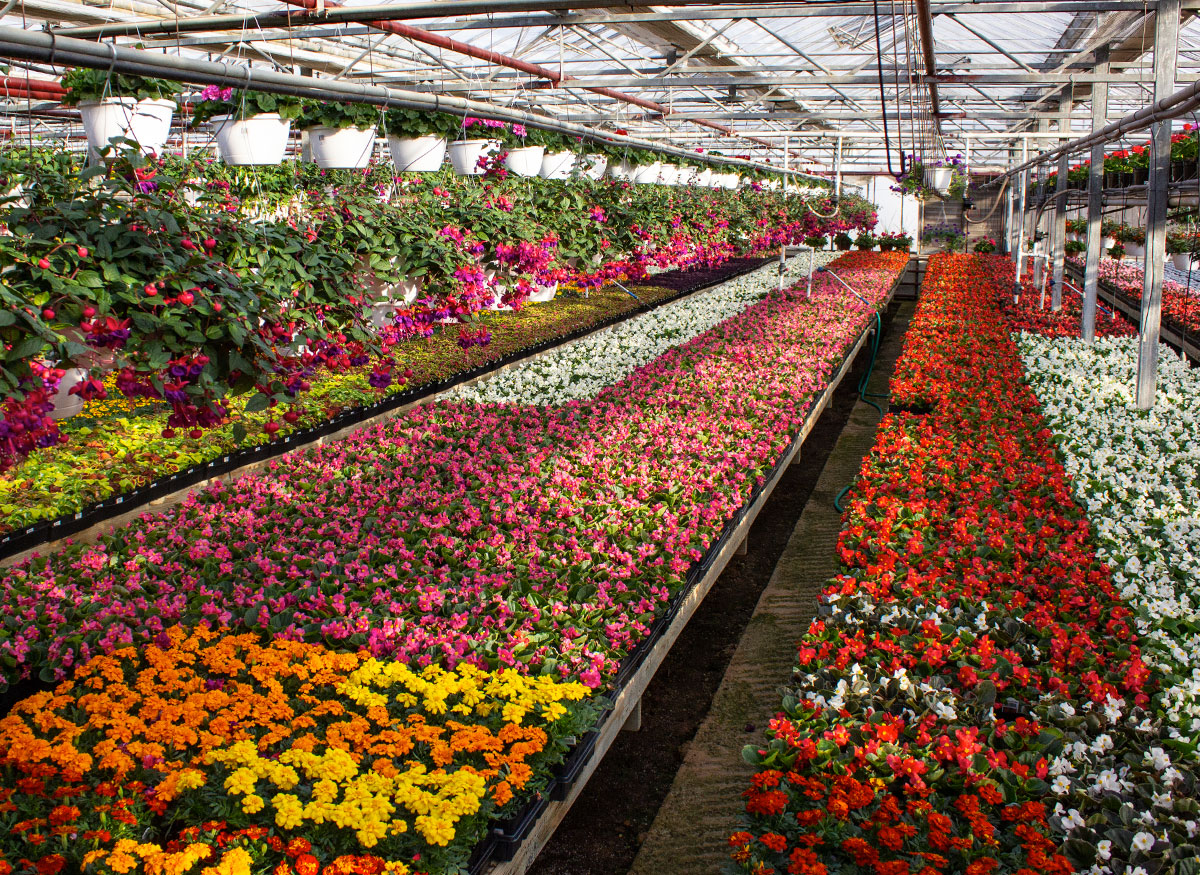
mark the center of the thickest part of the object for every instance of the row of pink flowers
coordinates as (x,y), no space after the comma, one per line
(499,535)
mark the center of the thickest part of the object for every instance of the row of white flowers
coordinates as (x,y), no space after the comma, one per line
(1138,476)
(581,369)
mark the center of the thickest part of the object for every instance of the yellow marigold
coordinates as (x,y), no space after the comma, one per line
(252,804)
(235,861)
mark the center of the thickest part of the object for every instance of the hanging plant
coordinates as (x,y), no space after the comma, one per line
(414,123)
(85,85)
(242,104)
(330,114)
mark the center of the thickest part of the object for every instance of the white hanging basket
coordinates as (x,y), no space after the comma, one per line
(1135,250)
(259,140)
(622,170)
(669,174)
(341,148)
(525,160)
(67,405)
(557,165)
(544,293)
(1181,260)
(644,174)
(939,178)
(146,121)
(704,177)
(465,155)
(417,154)
(596,165)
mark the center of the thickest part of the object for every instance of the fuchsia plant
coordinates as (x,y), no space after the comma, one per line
(544,538)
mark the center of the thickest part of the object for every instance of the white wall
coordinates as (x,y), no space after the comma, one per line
(896,212)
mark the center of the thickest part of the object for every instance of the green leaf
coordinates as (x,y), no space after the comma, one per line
(257,403)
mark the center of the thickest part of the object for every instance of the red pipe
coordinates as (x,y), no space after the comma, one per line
(13,86)
(433,39)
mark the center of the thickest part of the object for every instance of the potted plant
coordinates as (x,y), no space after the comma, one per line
(886,242)
(252,127)
(524,156)
(986,246)
(1139,165)
(902,242)
(469,154)
(417,139)
(340,135)
(558,159)
(1116,251)
(1077,176)
(1184,153)
(1132,239)
(114,106)
(816,241)
(1076,228)
(1115,165)
(1074,248)
(1179,250)
(865,241)
(843,241)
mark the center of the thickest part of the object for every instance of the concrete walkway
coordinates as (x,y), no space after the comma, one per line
(689,834)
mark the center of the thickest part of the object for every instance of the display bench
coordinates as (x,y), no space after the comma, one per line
(512,847)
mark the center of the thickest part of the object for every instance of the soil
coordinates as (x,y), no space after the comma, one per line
(608,823)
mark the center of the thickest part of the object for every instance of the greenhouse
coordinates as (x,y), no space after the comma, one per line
(580,438)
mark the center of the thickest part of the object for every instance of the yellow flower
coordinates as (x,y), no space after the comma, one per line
(236,861)
(252,804)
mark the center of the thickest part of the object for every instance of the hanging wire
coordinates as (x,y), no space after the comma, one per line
(887,140)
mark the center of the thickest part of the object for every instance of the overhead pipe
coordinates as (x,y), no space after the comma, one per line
(925,27)
(424,36)
(1174,105)
(334,14)
(45,47)
(23,86)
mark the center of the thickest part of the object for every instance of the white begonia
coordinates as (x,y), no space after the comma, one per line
(1104,849)
(1143,841)
(1061,785)
(1072,820)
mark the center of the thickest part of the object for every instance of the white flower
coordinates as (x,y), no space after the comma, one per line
(1143,841)
(1072,820)
(1061,785)
(1104,849)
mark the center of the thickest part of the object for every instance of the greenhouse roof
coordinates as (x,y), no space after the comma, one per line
(743,78)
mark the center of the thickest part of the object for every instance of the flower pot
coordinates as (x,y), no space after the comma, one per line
(1140,175)
(544,293)
(1112,179)
(1126,178)
(1107,243)
(1182,169)
(382,314)
(146,121)
(669,175)
(1135,250)
(596,165)
(622,170)
(465,155)
(417,154)
(260,139)
(341,148)
(67,405)
(645,174)
(1182,261)
(704,177)
(525,160)
(939,178)
(557,165)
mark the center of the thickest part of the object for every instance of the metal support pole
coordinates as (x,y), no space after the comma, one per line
(1040,247)
(1166,32)
(1008,220)
(1058,233)
(1091,275)
(1022,185)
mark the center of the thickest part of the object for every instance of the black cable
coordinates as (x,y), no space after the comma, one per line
(887,142)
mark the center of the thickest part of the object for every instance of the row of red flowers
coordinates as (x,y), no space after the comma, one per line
(973,647)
